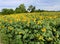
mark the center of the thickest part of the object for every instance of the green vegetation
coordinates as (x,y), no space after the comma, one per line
(30,28)
(7,11)
(22,9)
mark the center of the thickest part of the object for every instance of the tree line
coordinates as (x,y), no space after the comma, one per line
(20,9)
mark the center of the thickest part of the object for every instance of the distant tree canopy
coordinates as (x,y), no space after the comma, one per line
(38,10)
(21,9)
(7,11)
(31,8)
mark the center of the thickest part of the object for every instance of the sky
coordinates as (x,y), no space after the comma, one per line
(40,4)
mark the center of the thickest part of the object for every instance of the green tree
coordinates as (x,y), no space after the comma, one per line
(11,11)
(7,11)
(17,10)
(31,8)
(4,11)
(20,9)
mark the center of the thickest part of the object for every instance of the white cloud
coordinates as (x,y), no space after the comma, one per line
(55,7)
(42,4)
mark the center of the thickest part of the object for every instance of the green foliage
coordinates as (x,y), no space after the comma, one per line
(31,8)
(20,9)
(7,11)
(20,33)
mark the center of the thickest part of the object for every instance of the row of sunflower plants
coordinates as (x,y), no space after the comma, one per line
(39,30)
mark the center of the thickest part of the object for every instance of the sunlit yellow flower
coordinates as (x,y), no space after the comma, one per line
(54,30)
(10,28)
(43,29)
(10,21)
(41,17)
(49,39)
(50,17)
(55,17)
(39,22)
(35,20)
(24,19)
(17,19)
(20,33)
(2,26)
(5,20)
(28,22)
(41,38)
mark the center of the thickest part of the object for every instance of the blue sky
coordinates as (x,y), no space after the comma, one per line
(40,4)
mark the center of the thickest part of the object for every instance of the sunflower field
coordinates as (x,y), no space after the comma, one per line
(30,28)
